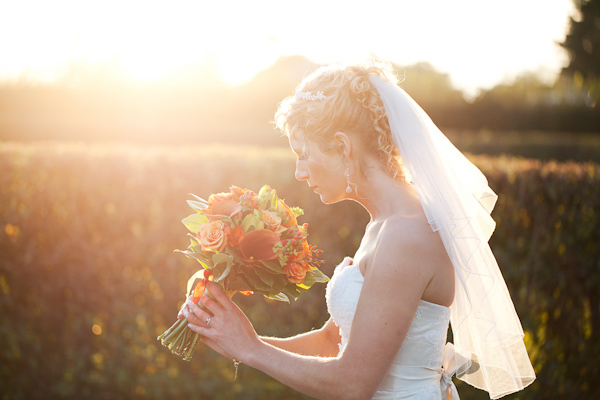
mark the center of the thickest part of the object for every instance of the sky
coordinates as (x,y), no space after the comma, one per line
(479,43)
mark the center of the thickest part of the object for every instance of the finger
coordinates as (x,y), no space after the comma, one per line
(204,331)
(211,305)
(218,293)
(195,314)
(183,307)
(190,316)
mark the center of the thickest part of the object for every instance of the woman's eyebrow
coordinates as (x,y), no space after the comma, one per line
(297,150)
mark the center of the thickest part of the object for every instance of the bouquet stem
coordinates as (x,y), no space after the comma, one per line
(180,339)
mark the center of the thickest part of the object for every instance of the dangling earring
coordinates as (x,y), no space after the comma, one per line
(348,188)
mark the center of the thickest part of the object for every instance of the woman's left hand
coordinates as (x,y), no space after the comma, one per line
(225,328)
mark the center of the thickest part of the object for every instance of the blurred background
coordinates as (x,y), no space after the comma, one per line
(112,112)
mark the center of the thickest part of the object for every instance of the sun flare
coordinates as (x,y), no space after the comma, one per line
(148,41)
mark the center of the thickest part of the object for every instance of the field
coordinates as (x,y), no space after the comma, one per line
(88,277)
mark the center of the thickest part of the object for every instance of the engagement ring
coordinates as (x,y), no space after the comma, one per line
(208,320)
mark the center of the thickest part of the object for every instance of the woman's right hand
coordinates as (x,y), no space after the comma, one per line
(223,326)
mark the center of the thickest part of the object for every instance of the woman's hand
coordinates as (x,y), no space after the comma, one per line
(224,328)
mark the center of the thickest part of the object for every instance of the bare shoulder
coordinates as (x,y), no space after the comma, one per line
(399,244)
(407,250)
(399,238)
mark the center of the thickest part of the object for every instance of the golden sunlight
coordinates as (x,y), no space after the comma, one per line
(146,41)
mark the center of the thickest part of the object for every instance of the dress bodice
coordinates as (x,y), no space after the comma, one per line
(416,370)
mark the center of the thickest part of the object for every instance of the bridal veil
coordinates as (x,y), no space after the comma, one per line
(488,337)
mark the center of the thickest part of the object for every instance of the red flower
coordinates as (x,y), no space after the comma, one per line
(235,236)
(200,287)
(258,245)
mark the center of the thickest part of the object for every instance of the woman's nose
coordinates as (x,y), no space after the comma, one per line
(301,174)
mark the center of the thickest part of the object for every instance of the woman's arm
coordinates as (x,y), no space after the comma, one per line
(323,342)
(320,342)
(395,280)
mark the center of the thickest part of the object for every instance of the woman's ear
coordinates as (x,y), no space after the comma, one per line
(345,144)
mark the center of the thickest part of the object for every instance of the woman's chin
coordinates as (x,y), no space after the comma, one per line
(325,199)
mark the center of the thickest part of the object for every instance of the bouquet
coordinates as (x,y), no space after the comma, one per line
(245,242)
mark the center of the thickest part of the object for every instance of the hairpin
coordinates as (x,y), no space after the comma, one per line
(310,96)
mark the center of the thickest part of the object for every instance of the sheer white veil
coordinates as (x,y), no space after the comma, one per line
(488,337)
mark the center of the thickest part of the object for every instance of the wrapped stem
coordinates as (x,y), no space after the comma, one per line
(180,339)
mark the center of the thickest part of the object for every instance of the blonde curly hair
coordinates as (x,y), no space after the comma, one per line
(351,104)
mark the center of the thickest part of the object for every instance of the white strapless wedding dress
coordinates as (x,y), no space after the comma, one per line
(416,372)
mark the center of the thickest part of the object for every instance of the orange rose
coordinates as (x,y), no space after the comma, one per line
(222,205)
(236,192)
(235,236)
(273,222)
(296,272)
(216,197)
(211,236)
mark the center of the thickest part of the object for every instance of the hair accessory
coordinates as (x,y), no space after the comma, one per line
(455,196)
(348,188)
(310,96)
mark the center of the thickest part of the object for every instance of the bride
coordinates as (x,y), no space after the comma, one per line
(424,259)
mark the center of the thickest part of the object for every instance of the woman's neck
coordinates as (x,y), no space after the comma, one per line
(383,196)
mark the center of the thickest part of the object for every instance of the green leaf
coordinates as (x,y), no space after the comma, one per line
(219,258)
(319,275)
(265,276)
(266,196)
(280,282)
(256,282)
(273,265)
(309,280)
(271,201)
(237,282)
(206,258)
(189,253)
(220,272)
(196,205)
(194,241)
(202,258)
(193,221)
(279,296)
(193,280)
(253,221)
(263,190)
(291,291)
(200,199)
(224,262)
